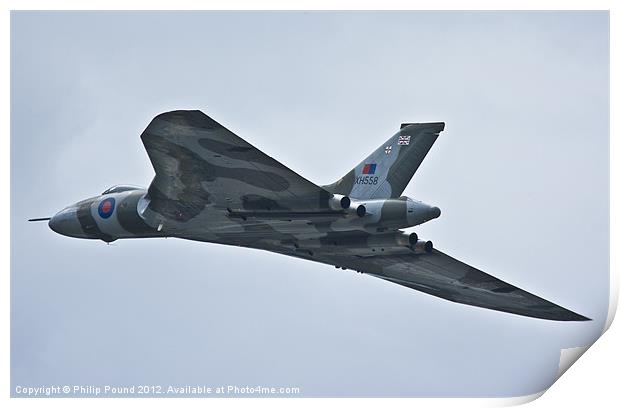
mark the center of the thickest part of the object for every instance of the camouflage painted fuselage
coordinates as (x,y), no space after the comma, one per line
(210,185)
(339,232)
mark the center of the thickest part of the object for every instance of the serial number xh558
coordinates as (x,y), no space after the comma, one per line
(210,185)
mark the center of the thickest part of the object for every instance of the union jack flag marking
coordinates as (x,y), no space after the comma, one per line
(403,140)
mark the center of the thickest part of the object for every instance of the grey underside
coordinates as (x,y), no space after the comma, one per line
(213,186)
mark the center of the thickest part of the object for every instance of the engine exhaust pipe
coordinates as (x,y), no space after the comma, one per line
(339,202)
(423,247)
(360,210)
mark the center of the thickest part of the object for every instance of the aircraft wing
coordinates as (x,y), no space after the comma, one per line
(440,275)
(198,162)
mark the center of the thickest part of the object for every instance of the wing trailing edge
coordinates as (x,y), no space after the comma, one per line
(440,275)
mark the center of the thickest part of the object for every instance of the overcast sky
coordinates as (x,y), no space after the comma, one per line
(521,174)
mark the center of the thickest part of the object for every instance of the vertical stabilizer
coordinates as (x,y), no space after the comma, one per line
(387,171)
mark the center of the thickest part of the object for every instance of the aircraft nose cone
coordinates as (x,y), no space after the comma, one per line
(66,223)
(435,212)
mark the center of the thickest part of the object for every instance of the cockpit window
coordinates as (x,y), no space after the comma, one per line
(119,188)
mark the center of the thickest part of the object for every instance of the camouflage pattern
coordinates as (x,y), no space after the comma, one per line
(212,186)
(400,156)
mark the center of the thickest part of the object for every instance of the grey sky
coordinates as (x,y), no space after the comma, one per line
(521,174)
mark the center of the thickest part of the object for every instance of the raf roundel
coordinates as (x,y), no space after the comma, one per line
(106,207)
(364,232)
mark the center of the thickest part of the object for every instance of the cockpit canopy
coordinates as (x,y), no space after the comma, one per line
(119,188)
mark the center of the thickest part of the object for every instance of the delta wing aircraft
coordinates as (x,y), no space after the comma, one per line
(212,186)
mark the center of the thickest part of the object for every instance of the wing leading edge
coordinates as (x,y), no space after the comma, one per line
(440,275)
(199,162)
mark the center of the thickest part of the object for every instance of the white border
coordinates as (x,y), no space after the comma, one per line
(593,380)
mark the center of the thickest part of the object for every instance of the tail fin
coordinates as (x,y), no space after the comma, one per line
(387,171)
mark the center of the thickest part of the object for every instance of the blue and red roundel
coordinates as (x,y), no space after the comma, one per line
(106,207)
